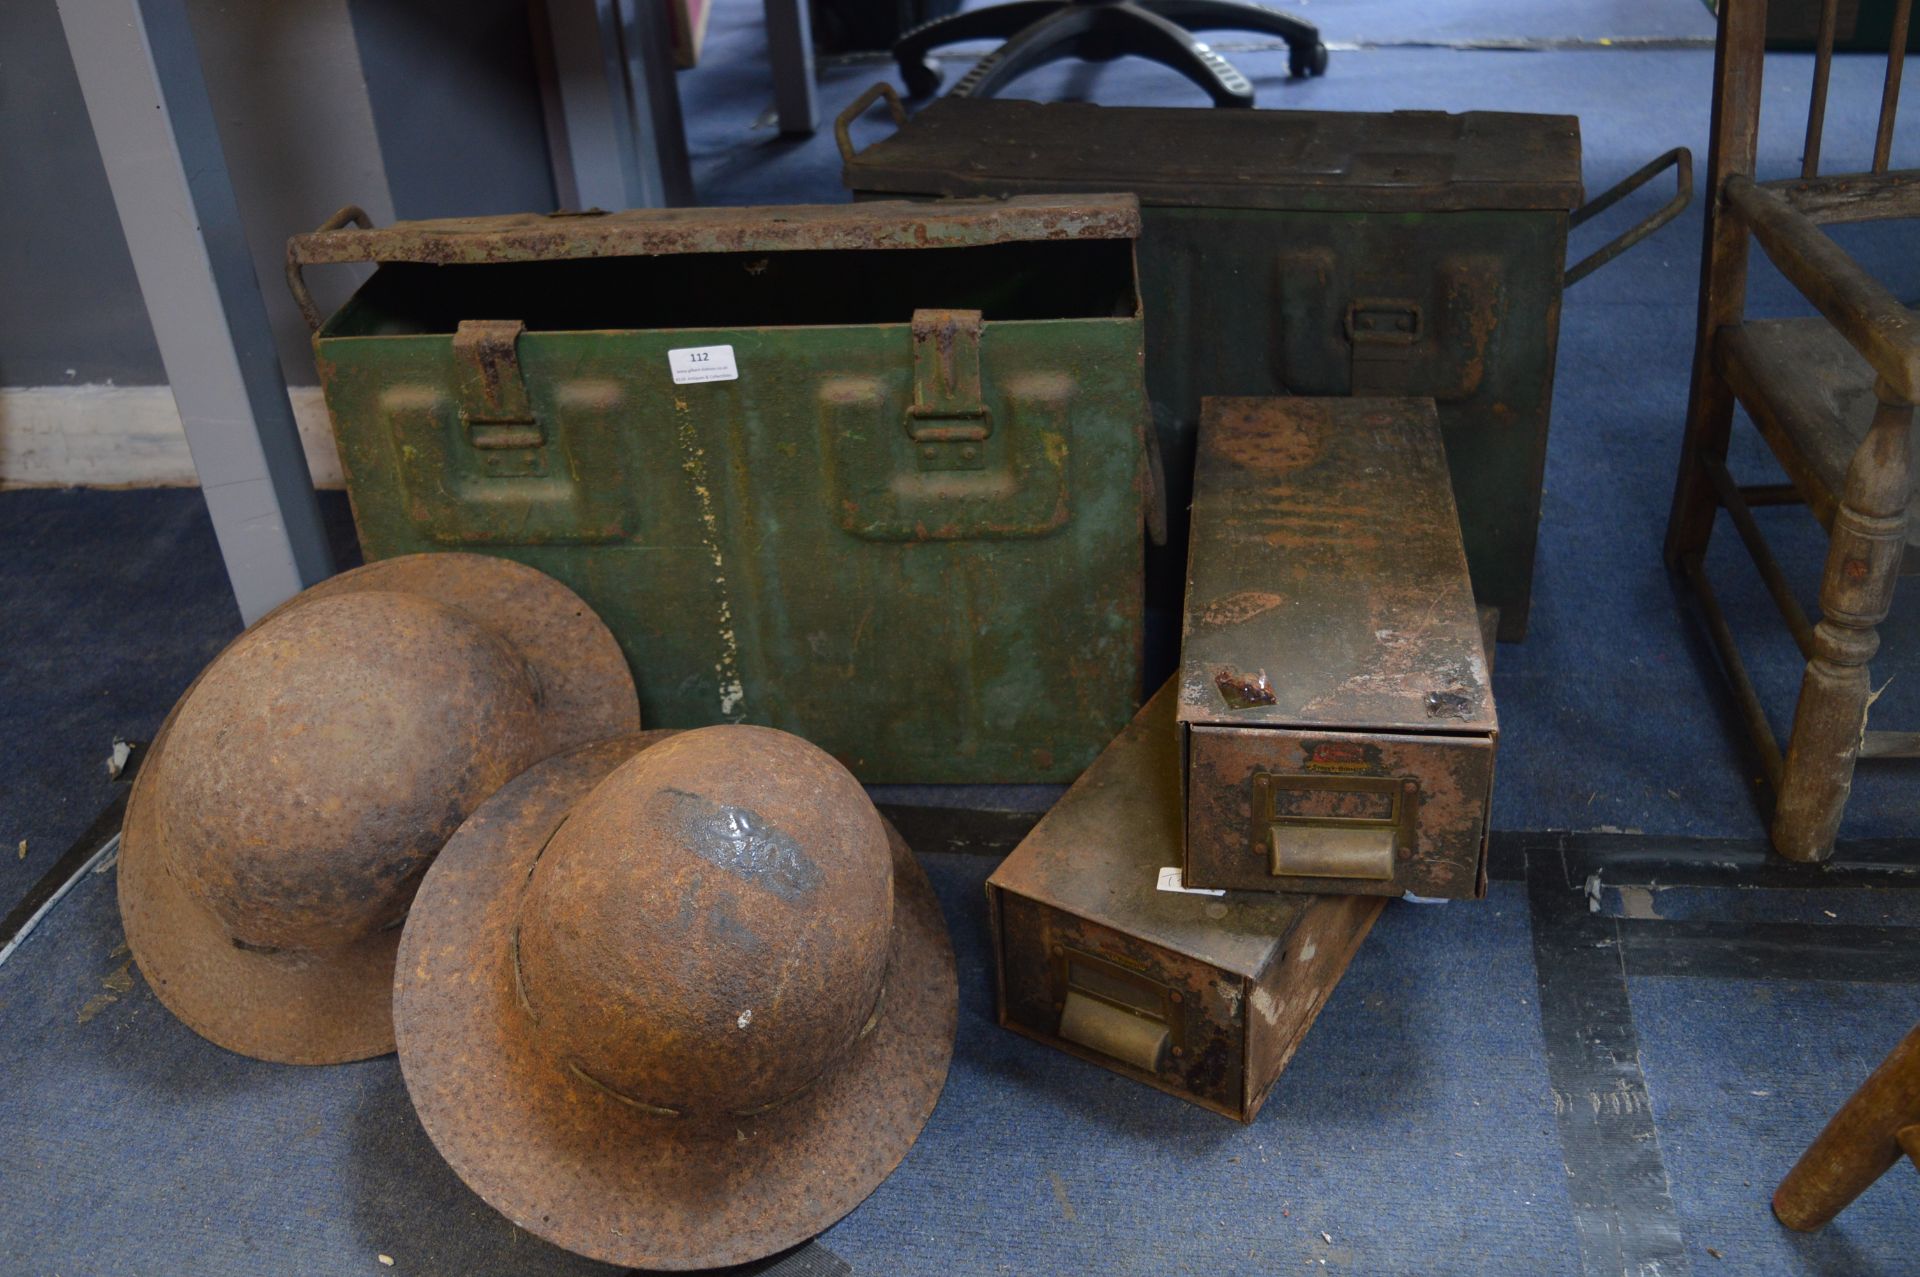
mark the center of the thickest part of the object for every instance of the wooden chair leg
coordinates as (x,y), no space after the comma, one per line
(1709,425)
(1740,48)
(1863,561)
(1864,1139)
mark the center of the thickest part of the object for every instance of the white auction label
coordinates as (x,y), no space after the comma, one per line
(1171,880)
(702,363)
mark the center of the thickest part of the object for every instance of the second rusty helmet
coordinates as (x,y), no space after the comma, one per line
(299,789)
(676,1009)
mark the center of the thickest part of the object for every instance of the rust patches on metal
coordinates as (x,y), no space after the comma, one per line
(1250,435)
(1241,605)
(665,232)
(1376,683)
(1243,691)
(304,782)
(1342,756)
(1083,886)
(1404,161)
(677,1043)
(1443,784)
(1456,702)
(639,959)
(1363,541)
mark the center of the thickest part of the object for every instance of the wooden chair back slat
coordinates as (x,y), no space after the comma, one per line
(1822,71)
(1890,94)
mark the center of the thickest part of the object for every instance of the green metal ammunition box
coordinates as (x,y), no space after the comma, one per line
(1336,711)
(874,474)
(1316,253)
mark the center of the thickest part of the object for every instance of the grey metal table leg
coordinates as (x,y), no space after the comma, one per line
(790,49)
(140,75)
(613,104)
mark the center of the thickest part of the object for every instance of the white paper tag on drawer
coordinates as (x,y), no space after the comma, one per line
(1171,880)
(702,363)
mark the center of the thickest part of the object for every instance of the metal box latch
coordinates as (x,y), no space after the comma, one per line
(1124,1015)
(948,421)
(1383,333)
(494,407)
(1327,827)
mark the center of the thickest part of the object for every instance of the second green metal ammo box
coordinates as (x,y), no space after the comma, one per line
(1316,253)
(874,474)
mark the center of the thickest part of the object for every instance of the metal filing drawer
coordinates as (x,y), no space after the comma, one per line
(1336,717)
(1205,997)
(1317,253)
(873,474)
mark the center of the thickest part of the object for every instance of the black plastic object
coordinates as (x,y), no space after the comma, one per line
(871,26)
(1041,31)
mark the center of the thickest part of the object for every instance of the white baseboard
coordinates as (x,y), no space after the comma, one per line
(125,437)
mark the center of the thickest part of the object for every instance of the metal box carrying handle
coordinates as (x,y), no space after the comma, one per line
(297,282)
(843,122)
(1682,161)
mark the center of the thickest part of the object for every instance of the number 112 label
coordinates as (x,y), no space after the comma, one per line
(702,363)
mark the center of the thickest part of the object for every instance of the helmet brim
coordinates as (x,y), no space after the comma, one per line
(588,1171)
(333,1006)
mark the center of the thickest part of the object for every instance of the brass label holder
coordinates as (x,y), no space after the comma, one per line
(1119,1013)
(1334,826)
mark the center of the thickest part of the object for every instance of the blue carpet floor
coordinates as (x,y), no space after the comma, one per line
(110,602)
(1715,1103)
(1418,1129)
(1415,1131)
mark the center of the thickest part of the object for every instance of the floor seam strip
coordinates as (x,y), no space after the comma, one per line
(1617,1180)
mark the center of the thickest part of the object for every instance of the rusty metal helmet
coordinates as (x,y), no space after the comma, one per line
(298,791)
(677,1004)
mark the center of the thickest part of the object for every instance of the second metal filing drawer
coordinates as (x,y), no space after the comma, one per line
(1317,253)
(874,474)
(1203,997)
(1335,708)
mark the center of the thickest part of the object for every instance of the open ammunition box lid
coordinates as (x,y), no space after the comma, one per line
(1098,853)
(654,232)
(1330,161)
(1327,587)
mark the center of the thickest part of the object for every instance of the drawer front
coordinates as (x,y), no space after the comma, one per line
(1140,1010)
(1277,810)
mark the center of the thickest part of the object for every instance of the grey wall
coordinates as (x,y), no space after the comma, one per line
(68,300)
(410,108)
(456,104)
(292,108)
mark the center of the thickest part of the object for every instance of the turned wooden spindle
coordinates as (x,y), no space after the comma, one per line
(1868,538)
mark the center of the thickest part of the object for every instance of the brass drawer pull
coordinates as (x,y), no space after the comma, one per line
(1322,851)
(1125,1035)
(1125,1015)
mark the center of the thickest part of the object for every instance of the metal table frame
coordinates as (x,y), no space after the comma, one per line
(617,141)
